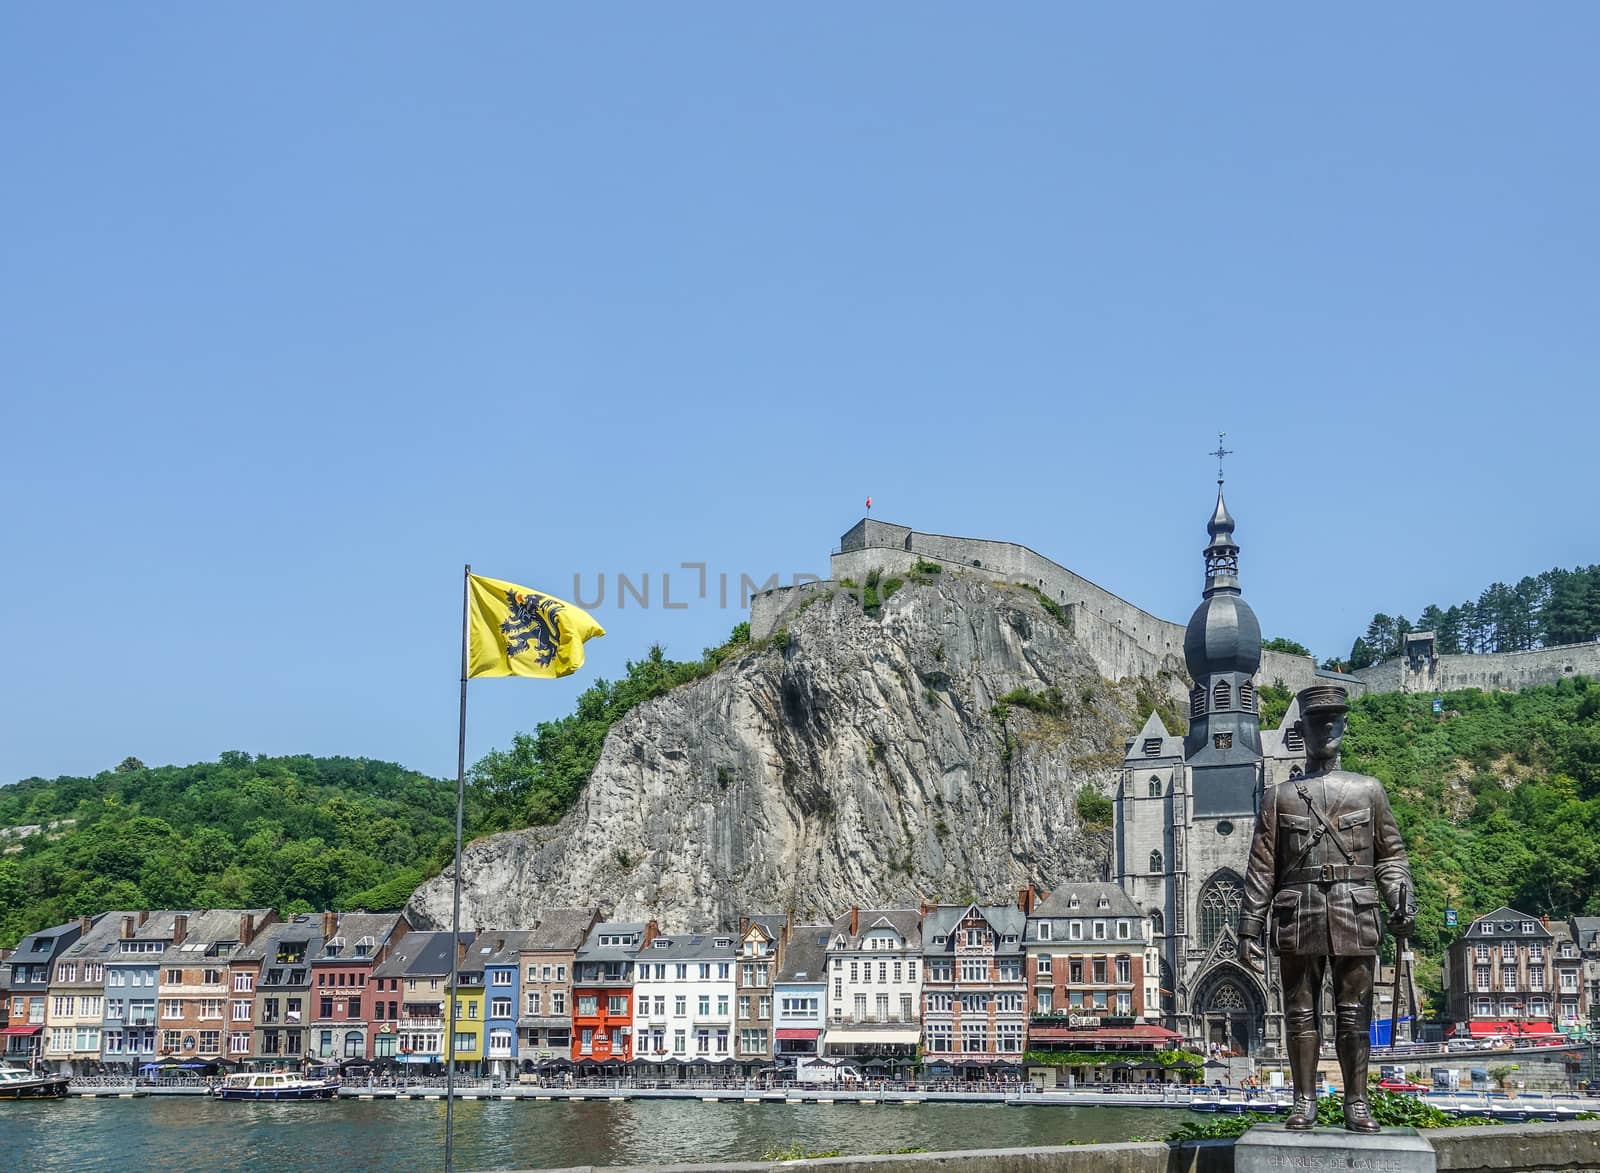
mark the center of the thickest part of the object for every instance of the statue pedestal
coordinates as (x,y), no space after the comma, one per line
(1272,1148)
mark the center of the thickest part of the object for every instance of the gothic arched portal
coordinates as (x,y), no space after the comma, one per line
(1228,1009)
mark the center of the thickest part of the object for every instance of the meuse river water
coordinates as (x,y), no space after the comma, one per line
(181,1133)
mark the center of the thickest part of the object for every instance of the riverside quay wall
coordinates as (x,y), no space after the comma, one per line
(1506,1148)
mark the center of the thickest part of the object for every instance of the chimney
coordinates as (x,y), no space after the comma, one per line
(127,927)
(651,932)
(330,924)
(85,923)
(855,920)
(144,915)
(1545,918)
(247,928)
(923,910)
(180,928)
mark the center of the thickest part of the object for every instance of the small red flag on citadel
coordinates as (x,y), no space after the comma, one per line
(869,502)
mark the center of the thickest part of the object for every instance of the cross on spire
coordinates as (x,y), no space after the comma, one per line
(1219,454)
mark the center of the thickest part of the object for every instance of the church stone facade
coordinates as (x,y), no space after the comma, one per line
(1185,810)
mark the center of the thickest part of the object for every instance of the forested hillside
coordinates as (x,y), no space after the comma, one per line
(1556,607)
(1498,796)
(293,833)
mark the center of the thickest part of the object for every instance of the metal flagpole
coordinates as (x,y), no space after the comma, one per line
(455,911)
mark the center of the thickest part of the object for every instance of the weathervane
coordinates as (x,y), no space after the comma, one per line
(1219,454)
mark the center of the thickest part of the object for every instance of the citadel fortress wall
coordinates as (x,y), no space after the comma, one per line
(1126,641)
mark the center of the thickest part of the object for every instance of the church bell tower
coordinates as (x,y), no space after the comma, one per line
(1222,648)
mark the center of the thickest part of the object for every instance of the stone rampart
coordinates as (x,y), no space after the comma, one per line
(1124,640)
(1490,671)
(1506,1148)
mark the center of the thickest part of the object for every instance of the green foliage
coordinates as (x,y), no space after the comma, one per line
(1049,702)
(1279,644)
(1094,809)
(536,781)
(923,572)
(1498,797)
(239,832)
(1272,702)
(796,1152)
(878,591)
(1052,608)
(1228,1127)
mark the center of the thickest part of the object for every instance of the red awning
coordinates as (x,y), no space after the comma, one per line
(1520,1026)
(21,1030)
(786,1034)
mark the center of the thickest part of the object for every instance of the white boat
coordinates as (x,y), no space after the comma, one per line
(275,1085)
(18,1083)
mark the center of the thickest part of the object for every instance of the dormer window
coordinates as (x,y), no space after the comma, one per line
(334,947)
(1044,930)
(1527,926)
(660,943)
(1103,902)
(364,947)
(722,943)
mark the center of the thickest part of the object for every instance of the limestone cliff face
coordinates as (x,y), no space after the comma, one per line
(864,760)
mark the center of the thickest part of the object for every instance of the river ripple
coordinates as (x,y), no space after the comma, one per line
(406,1136)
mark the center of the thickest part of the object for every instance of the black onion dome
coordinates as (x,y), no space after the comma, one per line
(1223,636)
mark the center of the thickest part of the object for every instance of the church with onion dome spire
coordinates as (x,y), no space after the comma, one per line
(1187,803)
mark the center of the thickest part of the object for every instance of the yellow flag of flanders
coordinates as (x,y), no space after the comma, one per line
(513,631)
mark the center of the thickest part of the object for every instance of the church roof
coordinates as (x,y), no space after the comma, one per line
(1153,736)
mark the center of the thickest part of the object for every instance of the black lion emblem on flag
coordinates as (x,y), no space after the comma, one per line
(534,622)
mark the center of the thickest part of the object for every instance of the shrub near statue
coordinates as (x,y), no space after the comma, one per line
(1326,854)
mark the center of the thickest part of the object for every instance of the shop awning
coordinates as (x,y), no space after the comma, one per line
(793,1034)
(1529,1026)
(21,1030)
(903,1037)
(419,1058)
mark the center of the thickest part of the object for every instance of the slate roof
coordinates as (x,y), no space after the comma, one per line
(1005,919)
(689,947)
(1058,907)
(213,932)
(592,950)
(101,939)
(1154,730)
(421,955)
(1586,930)
(805,954)
(561,930)
(297,928)
(501,946)
(1507,922)
(905,921)
(352,927)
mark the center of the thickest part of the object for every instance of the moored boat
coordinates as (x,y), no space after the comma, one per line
(274,1085)
(18,1083)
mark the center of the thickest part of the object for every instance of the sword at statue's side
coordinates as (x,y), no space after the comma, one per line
(1399,963)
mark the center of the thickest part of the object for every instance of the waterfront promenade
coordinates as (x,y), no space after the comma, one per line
(1495,1105)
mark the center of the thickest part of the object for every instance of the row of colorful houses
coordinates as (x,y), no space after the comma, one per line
(959,985)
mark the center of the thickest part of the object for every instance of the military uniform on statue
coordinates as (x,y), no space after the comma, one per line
(1325,857)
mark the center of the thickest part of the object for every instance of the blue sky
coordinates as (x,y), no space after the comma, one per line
(303,307)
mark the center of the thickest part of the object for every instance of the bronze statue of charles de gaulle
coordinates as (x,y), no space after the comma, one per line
(1326,863)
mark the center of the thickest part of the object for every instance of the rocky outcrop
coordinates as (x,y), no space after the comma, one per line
(851,759)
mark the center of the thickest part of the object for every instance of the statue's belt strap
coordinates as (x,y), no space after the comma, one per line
(1330,873)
